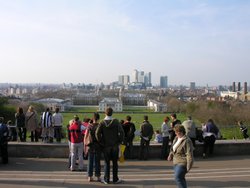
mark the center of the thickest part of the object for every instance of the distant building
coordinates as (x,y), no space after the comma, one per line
(114,103)
(53,103)
(141,77)
(227,94)
(134,99)
(192,85)
(163,82)
(157,106)
(123,80)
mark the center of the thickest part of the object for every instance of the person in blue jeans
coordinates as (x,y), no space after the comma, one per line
(93,150)
(110,135)
(181,153)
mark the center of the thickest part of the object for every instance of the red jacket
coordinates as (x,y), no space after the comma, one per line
(75,133)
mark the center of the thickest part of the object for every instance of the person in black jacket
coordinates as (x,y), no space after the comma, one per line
(110,135)
(4,133)
(147,132)
(129,134)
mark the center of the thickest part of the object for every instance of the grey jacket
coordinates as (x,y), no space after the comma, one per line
(183,155)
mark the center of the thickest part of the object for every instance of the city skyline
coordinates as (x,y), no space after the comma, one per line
(92,41)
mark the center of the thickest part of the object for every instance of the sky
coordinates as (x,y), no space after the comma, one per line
(94,41)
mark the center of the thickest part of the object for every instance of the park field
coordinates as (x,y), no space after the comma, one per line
(155,118)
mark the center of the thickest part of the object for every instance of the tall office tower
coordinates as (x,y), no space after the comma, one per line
(192,85)
(148,79)
(123,79)
(120,79)
(141,77)
(239,87)
(126,80)
(234,87)
(135,76)
(245,88)
(164,82)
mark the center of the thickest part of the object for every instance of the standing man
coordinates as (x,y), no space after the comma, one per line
(129,133)
(76,143)
(4,133)
(147,132)
(57,120)
(190,129)
(47,127)
(110,135)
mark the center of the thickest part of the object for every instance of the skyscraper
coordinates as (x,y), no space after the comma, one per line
(164,82)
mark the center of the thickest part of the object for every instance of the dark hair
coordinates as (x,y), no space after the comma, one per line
(128,118)
(96,116)
(210,121)
(173,115)
(146,118)
(1,119)
(109,111)
(20,110)
(57,109)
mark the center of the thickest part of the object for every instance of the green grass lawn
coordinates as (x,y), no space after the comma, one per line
(137,113)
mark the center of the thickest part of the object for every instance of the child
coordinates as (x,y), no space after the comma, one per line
(243,129)
(158,136)
(12,131)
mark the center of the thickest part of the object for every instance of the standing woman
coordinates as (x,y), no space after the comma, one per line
(181,153)
(20,123)
(31,123)
(165,138)
(93,150)
(210,133)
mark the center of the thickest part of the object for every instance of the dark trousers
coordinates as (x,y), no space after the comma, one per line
(22,133)
(128,153)
(34,135)
(4,152)
(58,133)
(245,135)
(111,154)
(144,149)
(165,147)
(209,144)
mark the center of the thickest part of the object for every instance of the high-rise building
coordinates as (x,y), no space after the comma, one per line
(164,82)
(141,77)
(245,88)
(135,76)
(192,85)
(147,79)
(123,79)
(239,86)
(234,87)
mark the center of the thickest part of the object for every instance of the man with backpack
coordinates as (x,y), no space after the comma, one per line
(110,135)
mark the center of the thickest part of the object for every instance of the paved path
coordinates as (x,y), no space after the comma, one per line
(44,173)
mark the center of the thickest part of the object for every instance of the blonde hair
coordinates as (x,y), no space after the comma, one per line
(31,109)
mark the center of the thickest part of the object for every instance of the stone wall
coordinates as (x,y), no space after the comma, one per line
(61,150)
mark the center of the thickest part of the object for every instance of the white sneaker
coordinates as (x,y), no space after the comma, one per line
(118,181)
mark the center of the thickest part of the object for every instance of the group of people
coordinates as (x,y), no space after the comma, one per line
(94,139)
(48,126)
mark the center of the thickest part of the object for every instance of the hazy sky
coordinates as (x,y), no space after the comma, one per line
(94,41)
